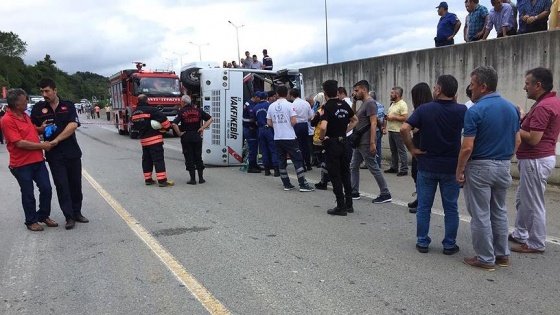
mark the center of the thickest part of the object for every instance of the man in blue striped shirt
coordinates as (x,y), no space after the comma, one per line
(501,18)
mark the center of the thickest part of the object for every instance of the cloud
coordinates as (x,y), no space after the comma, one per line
(106,36)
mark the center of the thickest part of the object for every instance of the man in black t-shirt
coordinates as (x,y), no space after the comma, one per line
(337,119)
(187,125)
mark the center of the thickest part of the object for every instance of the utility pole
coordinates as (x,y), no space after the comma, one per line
(199,49)
(237,35)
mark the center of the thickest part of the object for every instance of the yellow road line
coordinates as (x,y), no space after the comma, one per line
(196,288)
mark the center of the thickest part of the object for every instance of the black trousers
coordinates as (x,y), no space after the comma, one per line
(540,25)
(192,151)
(338,165)
(152,156)
(302,134)
(511,32)
(67,178)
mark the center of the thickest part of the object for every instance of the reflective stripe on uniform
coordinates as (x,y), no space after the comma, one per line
(151,140)
(140,116)
(166,124)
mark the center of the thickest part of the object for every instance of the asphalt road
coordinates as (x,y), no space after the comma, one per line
(239,244)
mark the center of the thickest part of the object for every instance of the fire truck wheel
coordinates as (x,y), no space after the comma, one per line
(133,134)
(121,132)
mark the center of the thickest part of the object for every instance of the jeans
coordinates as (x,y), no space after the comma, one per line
(290,147)
(359,155)
(426,189)
(398,152)
(25,176)
(486,184)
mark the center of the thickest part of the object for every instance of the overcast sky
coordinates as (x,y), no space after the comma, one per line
(105,36)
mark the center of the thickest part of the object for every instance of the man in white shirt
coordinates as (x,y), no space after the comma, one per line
(304,113)
(282,117)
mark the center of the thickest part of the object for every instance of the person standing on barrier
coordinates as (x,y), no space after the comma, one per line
(534,14)
(65,158)
(266,136)
(281,116)
(490,138)
(188,125)
(448,26)
(337,119)
(536,160)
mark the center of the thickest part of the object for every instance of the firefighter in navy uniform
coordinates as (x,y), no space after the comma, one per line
(57,120)
(250,133)
(336,120)
(188,125)
(151,141)
(266,136)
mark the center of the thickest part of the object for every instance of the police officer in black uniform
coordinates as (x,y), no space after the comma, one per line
(57,120)
(337,119)
(187,124)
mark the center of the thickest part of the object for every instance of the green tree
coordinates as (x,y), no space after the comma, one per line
(11,45)
(11,68)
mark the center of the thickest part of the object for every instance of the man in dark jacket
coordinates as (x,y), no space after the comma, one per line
(151,140)
(57,120)
(188,125)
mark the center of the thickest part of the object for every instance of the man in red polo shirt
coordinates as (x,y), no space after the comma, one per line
(536,160)
(27,163)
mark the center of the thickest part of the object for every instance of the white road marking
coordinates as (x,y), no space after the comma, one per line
(188,280)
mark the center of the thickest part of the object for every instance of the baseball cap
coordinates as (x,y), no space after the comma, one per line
(443,5)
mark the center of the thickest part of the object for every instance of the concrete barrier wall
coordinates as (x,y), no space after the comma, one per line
(511,57)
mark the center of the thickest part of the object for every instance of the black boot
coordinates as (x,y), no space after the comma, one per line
(412,206)
(276,172)
(200,178)
(267,171)
(339,209)
(349,204)
(193,180)
(253,168)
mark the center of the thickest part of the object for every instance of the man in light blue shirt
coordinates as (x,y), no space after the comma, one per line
(502,19)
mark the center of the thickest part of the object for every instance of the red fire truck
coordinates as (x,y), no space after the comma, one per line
(162,88)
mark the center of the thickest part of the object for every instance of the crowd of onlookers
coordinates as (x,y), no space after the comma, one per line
(505,17)
(453,146)
(251,62)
